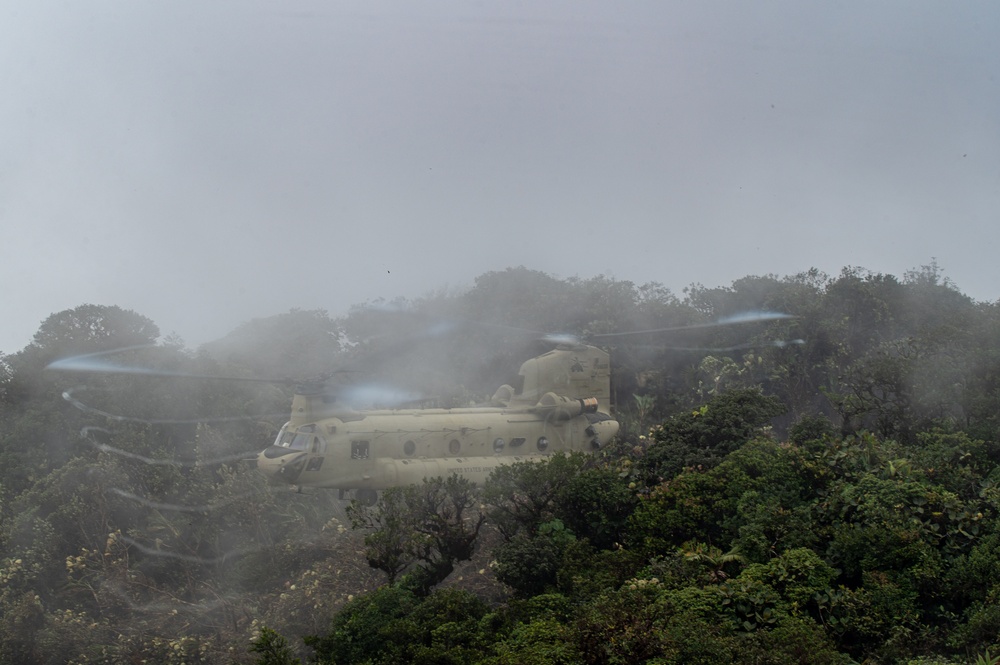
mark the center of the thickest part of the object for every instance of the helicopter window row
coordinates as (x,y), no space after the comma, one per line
(359,449)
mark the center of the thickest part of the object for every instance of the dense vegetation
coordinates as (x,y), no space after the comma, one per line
(819,489)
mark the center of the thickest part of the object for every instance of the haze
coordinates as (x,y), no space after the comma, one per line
(209,163)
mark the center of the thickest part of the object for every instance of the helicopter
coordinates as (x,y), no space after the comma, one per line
(560,403)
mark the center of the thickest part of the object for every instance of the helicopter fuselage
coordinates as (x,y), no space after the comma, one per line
(373,450)
(560,405)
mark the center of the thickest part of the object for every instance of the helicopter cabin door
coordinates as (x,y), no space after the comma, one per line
(389,476)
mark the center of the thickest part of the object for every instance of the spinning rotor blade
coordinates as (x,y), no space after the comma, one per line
(94,362)
(777,343)
(433,330)
(744,317)
(99,362)
(377,394)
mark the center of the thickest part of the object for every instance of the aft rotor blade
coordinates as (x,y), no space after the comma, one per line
(745,317)
(776,343)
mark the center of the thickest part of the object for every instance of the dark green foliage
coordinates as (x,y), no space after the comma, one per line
(742,621)
(798,575)
(705,534)
(545,641)
(794,641)
(529,564)
(272,649)
(811,429)
(391,546)
(585,572)
(429,527)
(714,505)
(596,505)
(981,630)
(524,495)
(357,633)
(586,509)
(392,625)
(701,438)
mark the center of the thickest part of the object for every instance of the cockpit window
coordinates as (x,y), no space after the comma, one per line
(300,442)
(284,437)
(297,440)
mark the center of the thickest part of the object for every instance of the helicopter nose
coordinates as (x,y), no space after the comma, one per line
(282,464)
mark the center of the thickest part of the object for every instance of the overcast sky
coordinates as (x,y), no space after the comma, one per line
(205,163)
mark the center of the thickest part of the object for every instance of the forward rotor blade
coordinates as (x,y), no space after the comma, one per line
(94,362)
(376,395)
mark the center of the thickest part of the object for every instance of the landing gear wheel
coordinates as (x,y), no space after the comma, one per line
(367,497)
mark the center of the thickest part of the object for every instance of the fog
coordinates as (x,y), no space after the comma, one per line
(205,164)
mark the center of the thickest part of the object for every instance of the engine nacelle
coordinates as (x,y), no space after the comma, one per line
(560,407)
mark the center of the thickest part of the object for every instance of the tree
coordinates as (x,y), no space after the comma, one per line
(391,546)
(522,496)
(90,328)
(298,343)
(702,437)
(432,525)
(272,649)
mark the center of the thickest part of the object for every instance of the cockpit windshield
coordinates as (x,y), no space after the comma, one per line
(302,438)
(284,437)
(293,439)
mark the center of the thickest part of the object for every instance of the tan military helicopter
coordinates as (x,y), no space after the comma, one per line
(561,403)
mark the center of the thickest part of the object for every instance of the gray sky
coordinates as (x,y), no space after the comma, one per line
(205,163)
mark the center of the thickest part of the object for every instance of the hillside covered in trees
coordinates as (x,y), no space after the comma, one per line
(823,488)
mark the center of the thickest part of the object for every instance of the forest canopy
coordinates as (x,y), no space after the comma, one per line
(820,488)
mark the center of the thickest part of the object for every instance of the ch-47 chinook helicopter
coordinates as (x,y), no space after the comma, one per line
(561,403)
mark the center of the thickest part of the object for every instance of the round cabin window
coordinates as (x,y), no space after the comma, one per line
(409,448)
(498,445)
(543,443)
(454,446)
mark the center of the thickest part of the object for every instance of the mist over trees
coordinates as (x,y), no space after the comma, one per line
(821,488)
